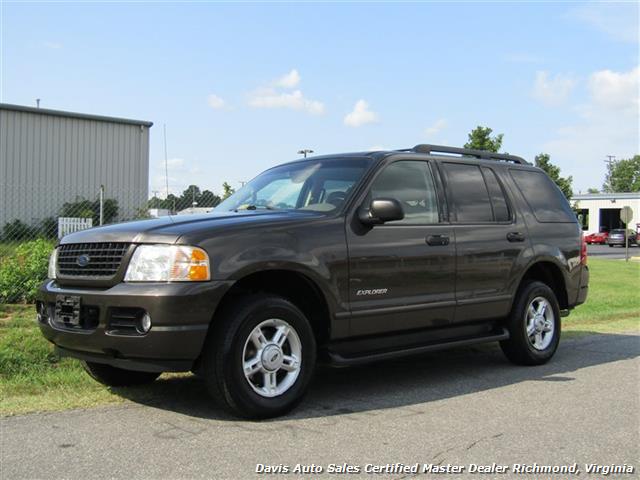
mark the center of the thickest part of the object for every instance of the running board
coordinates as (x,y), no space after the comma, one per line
(338,360)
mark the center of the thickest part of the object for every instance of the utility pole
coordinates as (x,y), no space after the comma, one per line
(305,152)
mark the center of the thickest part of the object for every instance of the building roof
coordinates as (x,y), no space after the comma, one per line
(61,113)
(608,196)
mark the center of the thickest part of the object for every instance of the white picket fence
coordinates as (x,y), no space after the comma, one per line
(67,225)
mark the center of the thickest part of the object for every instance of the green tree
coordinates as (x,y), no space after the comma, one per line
(83,208)
(543,161)
(190,195)
(208,199)
(593,190)
(623,175)
(480,139)
(227,190)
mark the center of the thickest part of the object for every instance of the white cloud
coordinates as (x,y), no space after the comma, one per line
(274,97)
(216,102)
(614,90)
(361,115)
(289,80)
(181,174)
(271,98)
(615,19)
(607,125)
(436,128)
(552,91)
(52,45)
(172,163)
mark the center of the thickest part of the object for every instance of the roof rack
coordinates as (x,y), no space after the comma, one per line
(467,152)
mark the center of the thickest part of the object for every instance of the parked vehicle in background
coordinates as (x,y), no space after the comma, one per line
(349,258)
(597,238)
(616,237)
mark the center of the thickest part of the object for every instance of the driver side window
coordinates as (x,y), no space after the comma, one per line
(411,183)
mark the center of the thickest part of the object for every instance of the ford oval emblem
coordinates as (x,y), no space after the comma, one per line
(83,260)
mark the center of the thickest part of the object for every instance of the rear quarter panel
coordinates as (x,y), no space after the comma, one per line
(555,242)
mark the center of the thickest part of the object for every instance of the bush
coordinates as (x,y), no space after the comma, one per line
(18,230)
(23,272)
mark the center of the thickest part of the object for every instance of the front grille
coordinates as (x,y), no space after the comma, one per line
(91,259)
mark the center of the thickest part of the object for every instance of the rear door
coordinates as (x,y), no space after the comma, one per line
(402,273)
(490,239)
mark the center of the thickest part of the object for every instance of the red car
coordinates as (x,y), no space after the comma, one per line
(600,238)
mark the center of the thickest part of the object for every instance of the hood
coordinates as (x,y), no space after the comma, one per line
(170,229)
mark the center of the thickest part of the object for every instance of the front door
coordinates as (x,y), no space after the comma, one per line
(402,273)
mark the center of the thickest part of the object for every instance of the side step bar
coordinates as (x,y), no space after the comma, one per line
(338,360)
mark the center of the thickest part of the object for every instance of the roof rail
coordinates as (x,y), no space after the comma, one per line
(467,152)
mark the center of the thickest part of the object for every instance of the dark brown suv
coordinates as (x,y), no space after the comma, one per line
(345,258)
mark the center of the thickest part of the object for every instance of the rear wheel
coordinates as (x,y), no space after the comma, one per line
(259,357)
(118,377)
(534,326)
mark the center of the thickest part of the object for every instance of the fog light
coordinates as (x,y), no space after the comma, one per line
(145,323)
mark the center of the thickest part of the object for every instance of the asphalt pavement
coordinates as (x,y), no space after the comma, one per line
(607,252)
(457,407)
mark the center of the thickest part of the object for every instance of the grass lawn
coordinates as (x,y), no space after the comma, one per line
(33,379)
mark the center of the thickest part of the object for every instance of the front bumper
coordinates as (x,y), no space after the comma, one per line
(180,315)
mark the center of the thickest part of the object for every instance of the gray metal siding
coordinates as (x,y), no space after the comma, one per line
(47,160)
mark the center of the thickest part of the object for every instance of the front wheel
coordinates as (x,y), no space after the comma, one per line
(118,377)
(534,326)
(259,356)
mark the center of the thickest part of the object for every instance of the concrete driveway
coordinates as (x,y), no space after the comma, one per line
(458,407)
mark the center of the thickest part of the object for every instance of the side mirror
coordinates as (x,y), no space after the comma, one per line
(381,210)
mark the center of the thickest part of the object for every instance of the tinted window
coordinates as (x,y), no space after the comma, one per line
(543,196)
(469,193)
(498,200)
(411,184)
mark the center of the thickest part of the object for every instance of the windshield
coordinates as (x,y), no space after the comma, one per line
(320,186)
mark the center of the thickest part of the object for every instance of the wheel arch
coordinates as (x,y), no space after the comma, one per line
(551,274)
(297,287)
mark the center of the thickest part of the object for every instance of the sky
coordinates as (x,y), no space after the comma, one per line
(242,87)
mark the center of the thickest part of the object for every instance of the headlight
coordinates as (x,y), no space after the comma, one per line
(53,264)
(168,263)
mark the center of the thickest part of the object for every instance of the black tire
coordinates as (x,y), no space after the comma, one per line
(519,347)
(118,377)
(223,356)
(610,245)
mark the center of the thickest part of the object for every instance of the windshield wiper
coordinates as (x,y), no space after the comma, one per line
(253,207)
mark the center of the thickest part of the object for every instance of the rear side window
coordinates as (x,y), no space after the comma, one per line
(500,206)
(543,196)
(469,193)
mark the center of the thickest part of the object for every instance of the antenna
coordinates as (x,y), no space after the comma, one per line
(166,160)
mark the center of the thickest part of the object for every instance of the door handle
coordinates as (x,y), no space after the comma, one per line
(515,237)
(437,240)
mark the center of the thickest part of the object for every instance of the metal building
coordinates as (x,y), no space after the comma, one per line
(49,157)
(600,212)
